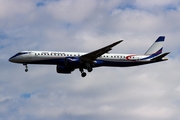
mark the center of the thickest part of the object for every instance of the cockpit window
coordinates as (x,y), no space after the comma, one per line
(20,53)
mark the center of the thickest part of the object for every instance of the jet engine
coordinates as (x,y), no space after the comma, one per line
(63,69)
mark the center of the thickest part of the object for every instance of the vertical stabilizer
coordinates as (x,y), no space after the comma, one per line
(156,47)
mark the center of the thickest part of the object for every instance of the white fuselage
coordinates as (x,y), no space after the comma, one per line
(54,58)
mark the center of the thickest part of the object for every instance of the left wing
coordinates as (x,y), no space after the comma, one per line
(90,57)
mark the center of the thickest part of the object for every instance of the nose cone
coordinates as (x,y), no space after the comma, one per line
(11,59)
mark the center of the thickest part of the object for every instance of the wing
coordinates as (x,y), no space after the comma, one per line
(90,57)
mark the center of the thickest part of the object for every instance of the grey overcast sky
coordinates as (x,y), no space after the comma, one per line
(150,92)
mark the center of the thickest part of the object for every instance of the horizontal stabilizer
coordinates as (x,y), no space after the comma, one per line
(160,57)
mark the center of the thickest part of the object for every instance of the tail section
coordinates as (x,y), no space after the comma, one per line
(160,57)
(156,47)
(154,53)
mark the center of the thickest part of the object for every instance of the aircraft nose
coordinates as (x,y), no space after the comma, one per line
(11,59)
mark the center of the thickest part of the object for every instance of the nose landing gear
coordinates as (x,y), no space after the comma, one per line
(26,67)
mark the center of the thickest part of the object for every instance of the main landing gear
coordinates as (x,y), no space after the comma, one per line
(83,74)
(26,67)
(89,68)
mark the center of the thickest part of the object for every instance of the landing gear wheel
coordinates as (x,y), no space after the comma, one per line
(89,69)
(26,70)
(83,74)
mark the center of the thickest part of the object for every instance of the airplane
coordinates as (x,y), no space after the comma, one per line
(67,62)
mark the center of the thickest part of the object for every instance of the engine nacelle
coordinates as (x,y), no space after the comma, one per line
(63,69)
